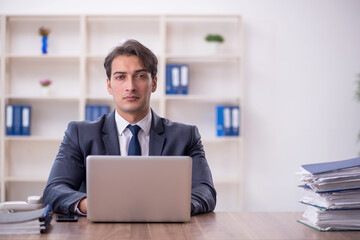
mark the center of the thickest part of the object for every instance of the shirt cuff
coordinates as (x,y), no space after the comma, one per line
(77,210)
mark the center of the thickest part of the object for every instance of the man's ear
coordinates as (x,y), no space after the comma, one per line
(108,82)
(154,84)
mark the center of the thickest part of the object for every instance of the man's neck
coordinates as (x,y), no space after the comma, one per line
(133,118)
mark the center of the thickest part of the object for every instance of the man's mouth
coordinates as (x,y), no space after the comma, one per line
(131,97)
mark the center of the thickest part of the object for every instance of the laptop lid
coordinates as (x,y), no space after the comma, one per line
(138,188)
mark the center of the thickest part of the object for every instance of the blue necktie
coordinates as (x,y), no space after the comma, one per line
(134,146)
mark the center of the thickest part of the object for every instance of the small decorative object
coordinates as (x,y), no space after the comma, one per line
(45,84)
(44,32)
(215,40)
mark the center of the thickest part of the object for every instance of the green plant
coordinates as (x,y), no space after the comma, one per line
(214,38)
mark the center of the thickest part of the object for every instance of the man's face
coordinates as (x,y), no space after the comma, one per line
(131,86)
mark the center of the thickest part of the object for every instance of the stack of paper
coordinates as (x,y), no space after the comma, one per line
(332,195)
(29,222)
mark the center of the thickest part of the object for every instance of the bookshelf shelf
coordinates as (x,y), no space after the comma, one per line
(78,45)
(33,138)
(26,179)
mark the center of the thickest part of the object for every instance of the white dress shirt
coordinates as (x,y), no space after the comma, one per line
(125,134)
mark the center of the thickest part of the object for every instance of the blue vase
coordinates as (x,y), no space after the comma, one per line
(44,44)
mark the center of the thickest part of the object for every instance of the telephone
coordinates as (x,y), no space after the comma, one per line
(32,203)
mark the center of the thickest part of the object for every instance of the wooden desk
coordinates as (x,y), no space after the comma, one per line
(219,225)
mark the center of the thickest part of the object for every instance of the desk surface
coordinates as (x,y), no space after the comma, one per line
(219,225)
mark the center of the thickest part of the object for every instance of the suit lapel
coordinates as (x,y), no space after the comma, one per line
(157,138)
(110,135)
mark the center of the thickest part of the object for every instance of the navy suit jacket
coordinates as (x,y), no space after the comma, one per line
(67,178)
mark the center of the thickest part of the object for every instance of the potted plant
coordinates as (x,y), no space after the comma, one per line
(45,84)
(214,40)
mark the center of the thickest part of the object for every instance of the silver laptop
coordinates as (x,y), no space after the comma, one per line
(138,188)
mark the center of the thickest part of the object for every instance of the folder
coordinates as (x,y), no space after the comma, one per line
(9,122)
(17,119)
(26,116)
(223,120)
(93,112)
(332,176)
(172,79)
(104,109)
(88,112)
(177,78)
(323,219)
(317,168)
(331,195)
(27,222)
(184,78)
(235,121)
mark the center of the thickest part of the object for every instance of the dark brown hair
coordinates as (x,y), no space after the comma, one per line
(132,47)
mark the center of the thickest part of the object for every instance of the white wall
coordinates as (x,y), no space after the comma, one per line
(300,66)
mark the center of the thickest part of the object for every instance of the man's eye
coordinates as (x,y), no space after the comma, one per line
(120,77)
(142,76)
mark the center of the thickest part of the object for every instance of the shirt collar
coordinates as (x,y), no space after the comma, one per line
(144,123)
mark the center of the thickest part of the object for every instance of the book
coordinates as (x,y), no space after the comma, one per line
(26,222)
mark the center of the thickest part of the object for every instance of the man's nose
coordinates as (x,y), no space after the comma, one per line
(131,84)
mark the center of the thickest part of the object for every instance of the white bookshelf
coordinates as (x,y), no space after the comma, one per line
(78,45)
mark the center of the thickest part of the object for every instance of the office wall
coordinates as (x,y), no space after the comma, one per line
(300,66)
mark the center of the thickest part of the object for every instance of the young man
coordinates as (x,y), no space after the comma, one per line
(131,71)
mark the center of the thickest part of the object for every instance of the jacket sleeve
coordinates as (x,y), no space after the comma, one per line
(203,194)
(67,174)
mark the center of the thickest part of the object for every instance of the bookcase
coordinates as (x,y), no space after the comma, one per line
(77,47)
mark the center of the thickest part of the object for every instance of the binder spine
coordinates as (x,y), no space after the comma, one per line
(9,122)
(26,116)
(235,121)
(93,112)
(228,120)
(177,78)
(17,119)
(88,113)
(184,78)
(220,121)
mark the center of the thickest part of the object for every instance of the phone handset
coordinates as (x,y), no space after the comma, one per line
(32,203)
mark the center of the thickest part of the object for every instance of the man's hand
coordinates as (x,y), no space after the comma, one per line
(83,206)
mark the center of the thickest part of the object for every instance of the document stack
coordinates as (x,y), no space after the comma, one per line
(331,195)
(26,222)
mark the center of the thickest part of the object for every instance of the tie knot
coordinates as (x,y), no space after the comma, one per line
(134,129)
